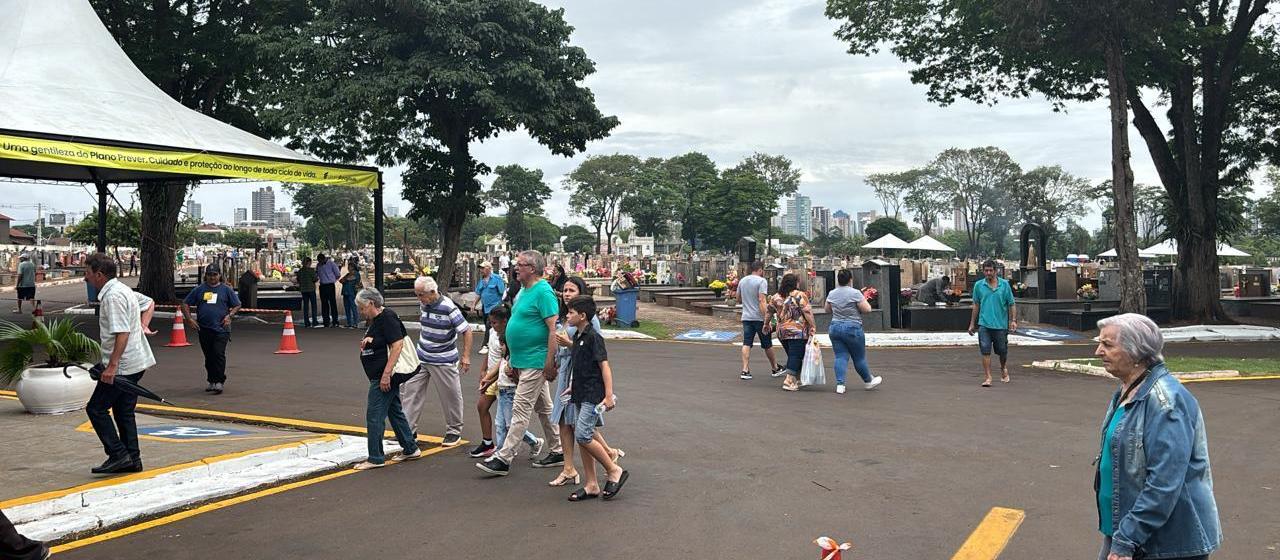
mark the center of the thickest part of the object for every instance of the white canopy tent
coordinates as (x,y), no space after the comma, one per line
(1170,248)
(888,241)
(1113,253)
(73,107)
(928,243)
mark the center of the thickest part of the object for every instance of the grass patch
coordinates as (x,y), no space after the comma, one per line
(651,328)
(1179,364)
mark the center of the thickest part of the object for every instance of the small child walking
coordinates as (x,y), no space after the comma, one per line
(497,386)
(591,394)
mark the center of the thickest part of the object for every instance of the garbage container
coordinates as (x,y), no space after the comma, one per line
(626,306)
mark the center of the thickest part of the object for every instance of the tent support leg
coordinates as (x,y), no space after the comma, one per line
(377,235)
(103,193)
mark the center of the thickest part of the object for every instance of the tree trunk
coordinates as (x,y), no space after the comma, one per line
(1133,298)
(161,203)
(450,239)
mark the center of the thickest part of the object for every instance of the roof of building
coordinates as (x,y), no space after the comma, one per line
(16,234)
(4,217)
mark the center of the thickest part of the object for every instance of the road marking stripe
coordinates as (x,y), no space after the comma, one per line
(214,506)
(989,539)
(1240,378)
(152,473)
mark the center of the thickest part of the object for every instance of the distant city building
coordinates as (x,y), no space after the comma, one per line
(958,219)
(391,211)
(778,221)
(241,215)
(283,218)
(194,210)
(841,222)
(864,218)
(820,218)
(264,206)
(799,217)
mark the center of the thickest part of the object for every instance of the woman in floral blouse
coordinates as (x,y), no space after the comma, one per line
(790,308)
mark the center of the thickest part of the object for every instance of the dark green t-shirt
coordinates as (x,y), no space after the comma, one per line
(527,329)
(307,279)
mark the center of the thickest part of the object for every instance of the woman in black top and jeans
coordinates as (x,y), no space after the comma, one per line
(379,349)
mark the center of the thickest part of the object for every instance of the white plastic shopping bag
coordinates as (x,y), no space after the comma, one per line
(813,372)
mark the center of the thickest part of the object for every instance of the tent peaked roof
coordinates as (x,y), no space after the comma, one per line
(1169,248)
(889,241)
(66,84)
(928,243)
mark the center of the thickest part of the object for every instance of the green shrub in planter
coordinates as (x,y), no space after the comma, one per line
(58,341)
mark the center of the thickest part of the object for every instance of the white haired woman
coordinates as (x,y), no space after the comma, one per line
(1153,485)
(379,349)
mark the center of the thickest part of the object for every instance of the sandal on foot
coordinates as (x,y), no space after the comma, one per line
(986,383)
(617,454)
(612,488)
(563,480)
(1004,378)
(581,495)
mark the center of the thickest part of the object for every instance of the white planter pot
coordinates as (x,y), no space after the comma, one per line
(47,391)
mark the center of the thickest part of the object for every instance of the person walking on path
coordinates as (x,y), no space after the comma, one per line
(125,353)
(497,386)
(306,280)
(26,281)
(795,325)
(379,349)
(17,547)
(1153,485)
(350,286)
(133,264)
(591,394)
(216,304)
(994,315)
(442,326)
(327,273)
(753,291)
(490,289)
(846,306)
(531,343)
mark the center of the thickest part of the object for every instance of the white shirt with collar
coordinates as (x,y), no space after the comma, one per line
(121,312)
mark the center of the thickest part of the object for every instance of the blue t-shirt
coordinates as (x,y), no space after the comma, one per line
(993,305)
(349,287)
(212,305)
(491,290)
(1106,490)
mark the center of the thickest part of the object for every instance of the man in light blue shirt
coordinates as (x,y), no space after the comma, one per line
(992,318)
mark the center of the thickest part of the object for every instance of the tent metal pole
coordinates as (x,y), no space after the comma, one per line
(103,193)
(377,235)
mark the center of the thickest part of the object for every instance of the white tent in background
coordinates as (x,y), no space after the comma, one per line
(889,241)
(1225,250)
(1112,253)
(928,243)
(1169,248)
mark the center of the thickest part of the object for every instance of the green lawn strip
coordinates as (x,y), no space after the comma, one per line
(651,328)
(1178,364)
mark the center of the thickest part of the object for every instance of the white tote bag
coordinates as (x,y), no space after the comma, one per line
(813,372)
(407,363)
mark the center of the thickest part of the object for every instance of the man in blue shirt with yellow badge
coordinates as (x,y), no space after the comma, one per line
(992,318)
(216,303)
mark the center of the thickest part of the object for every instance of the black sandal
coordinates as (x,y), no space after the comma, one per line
(581,495)
(611,488)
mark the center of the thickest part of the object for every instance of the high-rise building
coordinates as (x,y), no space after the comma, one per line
(194,210)
(283,218)
(840,221)
(391,211)
(958,219)
(241,215)
(799,220)
(264,206)
(820,218)
(864,218)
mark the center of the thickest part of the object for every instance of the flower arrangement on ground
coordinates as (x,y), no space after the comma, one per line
(1019,289)
(718,287)
(1087,292)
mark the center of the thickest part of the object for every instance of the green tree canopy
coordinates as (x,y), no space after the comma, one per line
(578,240)
(782,176)
(883,226)
(598,187)
(241,239)
(653,200)
(735,206)
(980,179)
(1049,196)
(692,175)
(521,191)
(336,216)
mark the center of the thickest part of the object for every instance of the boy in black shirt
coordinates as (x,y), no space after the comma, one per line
(591,386)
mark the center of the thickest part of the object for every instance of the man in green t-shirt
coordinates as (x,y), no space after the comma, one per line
(992,318)
(531,344)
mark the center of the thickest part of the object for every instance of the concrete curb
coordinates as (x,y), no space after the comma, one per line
(1098,371)
(63,282)
(99,508)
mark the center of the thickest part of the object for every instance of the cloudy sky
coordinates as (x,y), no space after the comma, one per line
(732,77)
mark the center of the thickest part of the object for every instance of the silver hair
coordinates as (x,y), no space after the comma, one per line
(370,296)
(1138,335)
(538,261)
(425,284)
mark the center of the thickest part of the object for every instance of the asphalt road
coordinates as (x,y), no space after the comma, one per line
(721,467)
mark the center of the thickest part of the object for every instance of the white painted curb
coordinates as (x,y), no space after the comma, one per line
(100,508)
(1099,371)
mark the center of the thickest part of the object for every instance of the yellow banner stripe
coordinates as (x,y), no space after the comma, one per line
(182,162)
(991,536)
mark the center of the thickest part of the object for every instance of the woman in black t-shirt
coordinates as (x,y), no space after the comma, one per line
(379,349)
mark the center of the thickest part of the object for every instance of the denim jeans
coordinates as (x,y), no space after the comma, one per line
(310,315)
(349,308)
(795,354)
(1106,551)
(384,405)
(848,340)
(502,420)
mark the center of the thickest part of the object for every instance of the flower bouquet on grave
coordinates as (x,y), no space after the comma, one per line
(1019,289)
(718,287)
(952,296)
(872,295)
(607,315)
(904,297)
(1087,292)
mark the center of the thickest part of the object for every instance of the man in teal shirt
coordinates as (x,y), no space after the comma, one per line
(993,317)
(531,348)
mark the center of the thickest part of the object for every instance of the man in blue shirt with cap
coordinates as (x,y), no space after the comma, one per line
(216,303)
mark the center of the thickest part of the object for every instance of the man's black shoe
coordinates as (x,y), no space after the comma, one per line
(136,466)
(113,466)
(495,466)
(551,460)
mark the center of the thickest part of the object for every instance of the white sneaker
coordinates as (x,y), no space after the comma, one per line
(535,449)
(367,466)
(839,389)
(875,382)
(402,457)
(484,350)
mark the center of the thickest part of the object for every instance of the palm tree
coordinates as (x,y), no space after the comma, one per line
(62,344)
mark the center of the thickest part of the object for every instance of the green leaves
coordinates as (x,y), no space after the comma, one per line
(61,342)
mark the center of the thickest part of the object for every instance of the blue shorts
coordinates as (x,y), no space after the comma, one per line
(753,329)
(989,339)
(585,428)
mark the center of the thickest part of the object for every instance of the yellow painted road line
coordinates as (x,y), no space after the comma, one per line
(214,506)
(152,473)
(989,539)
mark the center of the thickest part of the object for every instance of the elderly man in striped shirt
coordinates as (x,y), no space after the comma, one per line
(442,325)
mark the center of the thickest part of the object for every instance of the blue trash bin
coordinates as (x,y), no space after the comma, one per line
(626,306)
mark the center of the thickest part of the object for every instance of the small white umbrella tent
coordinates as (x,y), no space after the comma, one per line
(1112,253)
(1168,248)
(74,108)
(888,241)
(928,243)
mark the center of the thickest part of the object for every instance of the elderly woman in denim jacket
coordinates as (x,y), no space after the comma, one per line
(1153,484)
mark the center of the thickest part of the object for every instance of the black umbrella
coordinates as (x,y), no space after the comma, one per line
(123,384)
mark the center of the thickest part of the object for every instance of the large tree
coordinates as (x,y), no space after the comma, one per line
(782,177)
(598,187)
(735,206)
(654,199)
(980,179)
(336,216)
(203,54)
(890,189)
(692,175)
(1213,64)
(522,191)
(419,81)
(1049,196)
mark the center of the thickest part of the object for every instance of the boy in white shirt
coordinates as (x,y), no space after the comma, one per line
(497,386)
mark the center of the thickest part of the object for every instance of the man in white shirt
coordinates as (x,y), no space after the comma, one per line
(125,353)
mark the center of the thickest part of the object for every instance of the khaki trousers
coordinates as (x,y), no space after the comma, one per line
(413,394)
(532,396)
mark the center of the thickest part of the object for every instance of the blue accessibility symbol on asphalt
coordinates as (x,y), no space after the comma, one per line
(698,335)
(1047,333)
(188,432)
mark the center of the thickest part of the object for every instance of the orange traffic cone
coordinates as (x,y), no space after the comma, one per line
(178,338)
(288,341)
